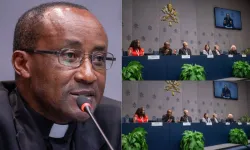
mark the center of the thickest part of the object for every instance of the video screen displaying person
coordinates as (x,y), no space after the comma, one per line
(226,90)
(228,21)
(226,93)
(226,18)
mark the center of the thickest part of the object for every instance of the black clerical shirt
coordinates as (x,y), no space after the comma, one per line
(45,126)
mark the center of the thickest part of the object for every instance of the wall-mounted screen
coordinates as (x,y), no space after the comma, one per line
(228,19)
(226,90)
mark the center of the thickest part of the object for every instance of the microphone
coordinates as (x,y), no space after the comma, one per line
(84,105)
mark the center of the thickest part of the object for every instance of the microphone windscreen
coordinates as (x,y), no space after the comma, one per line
(82,100)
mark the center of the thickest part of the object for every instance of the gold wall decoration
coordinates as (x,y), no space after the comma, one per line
(172,86)
(170,14)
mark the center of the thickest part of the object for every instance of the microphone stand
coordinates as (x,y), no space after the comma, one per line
(99,128)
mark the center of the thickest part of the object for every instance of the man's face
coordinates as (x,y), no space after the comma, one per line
(185,45)
(228,16)
(167,45)
(169,112)
(55,85)
(186,113)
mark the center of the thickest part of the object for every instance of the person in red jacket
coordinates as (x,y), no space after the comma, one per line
(135,49)
(140,116)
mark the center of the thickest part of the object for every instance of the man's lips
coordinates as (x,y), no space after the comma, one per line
(87,93)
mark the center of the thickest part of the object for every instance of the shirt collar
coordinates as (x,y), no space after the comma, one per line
(47,127)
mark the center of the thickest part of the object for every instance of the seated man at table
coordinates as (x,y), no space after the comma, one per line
(216,50)
(214,119)
(168,117)
(233,50)
(185,50)
(135,49)
(165,50)
(186,117)
(140,116)
(230,118)
(206,119)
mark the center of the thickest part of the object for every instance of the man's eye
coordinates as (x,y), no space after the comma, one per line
(70,55)
(99,58)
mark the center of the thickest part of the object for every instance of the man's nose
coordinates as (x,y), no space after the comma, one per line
(86,73)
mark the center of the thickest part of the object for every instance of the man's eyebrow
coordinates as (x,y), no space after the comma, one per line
(72,43)
(100,48)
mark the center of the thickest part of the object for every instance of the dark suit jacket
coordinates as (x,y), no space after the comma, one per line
(226,92)
(183,52)
(18,130)
(230,52)
(165,118)
(231,120)
(215,53)
(184,119)
(162,51)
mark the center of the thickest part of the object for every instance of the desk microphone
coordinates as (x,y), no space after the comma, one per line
(84,105)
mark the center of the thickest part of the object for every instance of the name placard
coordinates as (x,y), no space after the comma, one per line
(243,55)
(239,123)
(153,57)
(156,124)
(185,56)
(186,124)
(248,123)
(209,123)
(230,56)
(210,56)
(227,123)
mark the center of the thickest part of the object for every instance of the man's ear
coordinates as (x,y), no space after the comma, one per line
(21,63)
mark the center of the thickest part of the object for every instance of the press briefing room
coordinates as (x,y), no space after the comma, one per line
(185,72)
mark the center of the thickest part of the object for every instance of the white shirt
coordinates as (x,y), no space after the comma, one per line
(207,53)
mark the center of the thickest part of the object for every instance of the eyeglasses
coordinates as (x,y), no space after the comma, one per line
(74,58)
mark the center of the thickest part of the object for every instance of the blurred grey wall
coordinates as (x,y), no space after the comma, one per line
(109,12)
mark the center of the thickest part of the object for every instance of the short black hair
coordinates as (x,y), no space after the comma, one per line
(28,27)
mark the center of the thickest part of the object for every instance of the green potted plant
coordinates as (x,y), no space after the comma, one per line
(133,71)
(245,119)
(241,69)
(192,72)
(192,140)
(246,51)
(238,136)
(135,140)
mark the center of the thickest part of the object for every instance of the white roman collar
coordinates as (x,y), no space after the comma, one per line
(58,131)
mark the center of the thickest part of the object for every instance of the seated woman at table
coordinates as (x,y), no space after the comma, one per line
(140,116)
(216,50)
(207,50)
(233,50)
(135,49)
(205,118)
